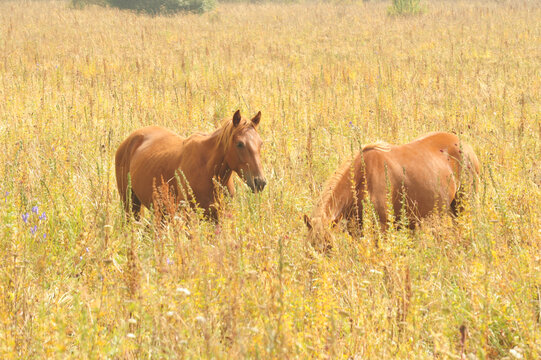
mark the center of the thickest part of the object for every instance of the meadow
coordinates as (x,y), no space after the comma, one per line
(79,281)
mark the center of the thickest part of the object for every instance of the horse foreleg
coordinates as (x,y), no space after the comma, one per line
(354,223)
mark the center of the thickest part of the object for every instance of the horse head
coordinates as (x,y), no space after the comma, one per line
(242,153)
(319,233)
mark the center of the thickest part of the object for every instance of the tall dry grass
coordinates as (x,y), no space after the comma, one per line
(78,281)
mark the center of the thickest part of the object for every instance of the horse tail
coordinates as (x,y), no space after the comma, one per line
(468,178)
(470,163)
(123,159)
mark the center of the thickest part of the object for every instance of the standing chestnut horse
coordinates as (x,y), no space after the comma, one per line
(425,175)
(152,158)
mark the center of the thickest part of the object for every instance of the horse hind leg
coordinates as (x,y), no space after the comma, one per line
(135,207)
(456,206)
(132,205)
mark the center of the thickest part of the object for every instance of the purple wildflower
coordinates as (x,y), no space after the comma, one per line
(25,217)
(169,262)
(35,209)
(34,229)
(44,236)
(43,216)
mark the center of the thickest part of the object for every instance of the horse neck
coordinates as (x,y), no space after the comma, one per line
(337,198)
(216,165)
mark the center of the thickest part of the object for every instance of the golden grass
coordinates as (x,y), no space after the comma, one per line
(74,83)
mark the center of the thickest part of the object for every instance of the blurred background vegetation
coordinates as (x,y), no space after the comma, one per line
(79,281)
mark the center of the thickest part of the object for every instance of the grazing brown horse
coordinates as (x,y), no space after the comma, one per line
(426,175)
(154,157)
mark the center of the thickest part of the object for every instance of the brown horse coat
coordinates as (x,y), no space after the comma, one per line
(153,156)
(427,173)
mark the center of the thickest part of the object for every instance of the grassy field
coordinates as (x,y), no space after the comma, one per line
(77,281)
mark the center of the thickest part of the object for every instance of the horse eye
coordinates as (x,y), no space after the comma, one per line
(240,144)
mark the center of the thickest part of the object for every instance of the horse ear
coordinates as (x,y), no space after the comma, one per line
(236,118)
(307,221)
(256,118)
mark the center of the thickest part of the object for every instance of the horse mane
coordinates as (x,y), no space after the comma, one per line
(329,188)
(226,131)
(331,184)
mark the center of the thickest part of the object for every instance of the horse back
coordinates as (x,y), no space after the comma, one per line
(425,171)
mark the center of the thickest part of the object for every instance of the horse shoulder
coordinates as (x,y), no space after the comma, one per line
(193,164)
(192,156)
(376,169)
(374,161)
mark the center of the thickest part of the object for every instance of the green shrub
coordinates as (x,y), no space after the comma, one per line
(405,7)
(164,6)
(155,6)
(79,4)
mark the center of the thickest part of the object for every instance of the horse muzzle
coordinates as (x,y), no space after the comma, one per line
(256,183)
(259,184)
